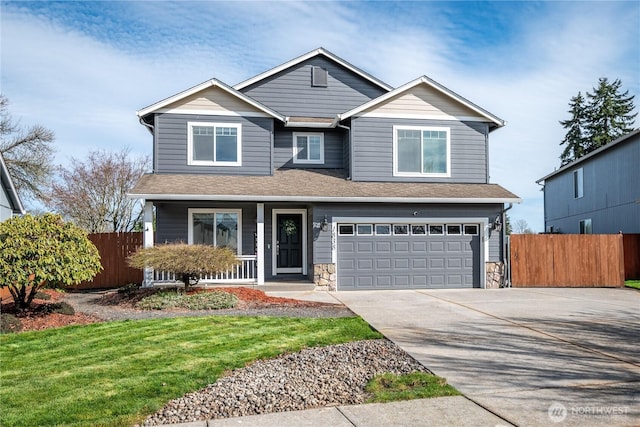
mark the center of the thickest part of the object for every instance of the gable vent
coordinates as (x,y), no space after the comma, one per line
(319,77)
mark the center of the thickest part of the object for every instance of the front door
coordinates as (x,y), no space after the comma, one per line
(289,249)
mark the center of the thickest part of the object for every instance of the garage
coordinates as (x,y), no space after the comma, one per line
(407,256)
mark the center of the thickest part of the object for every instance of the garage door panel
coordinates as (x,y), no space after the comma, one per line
(408,261)
(419,247)
(401,247)
(365,264)
(401,264)
(419,264)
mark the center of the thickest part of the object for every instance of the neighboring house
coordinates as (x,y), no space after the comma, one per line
(316,170)
(598,193)
(10,203)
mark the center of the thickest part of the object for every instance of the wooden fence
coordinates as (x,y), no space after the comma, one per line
(114,249)
(570,260)
(631,243)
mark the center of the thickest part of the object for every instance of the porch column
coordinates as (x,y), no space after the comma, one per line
(148,240)
(260,243)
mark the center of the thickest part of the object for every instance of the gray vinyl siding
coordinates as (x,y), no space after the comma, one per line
(172,221)
(6,211)
(290,92)
(322,244)
(170,148)
(611,190)
(333,149)
(372,140)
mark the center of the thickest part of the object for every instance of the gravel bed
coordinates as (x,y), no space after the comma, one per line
(315,377)
(87,302)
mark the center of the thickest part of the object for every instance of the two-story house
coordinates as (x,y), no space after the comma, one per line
(598,193)
(10,203)
(316,170)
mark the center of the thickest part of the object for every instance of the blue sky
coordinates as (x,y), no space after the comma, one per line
(82,69)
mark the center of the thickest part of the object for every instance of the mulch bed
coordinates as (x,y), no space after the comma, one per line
(37,317)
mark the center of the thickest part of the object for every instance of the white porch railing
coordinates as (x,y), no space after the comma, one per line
(245,272)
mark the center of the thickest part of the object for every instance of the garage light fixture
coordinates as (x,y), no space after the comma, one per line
(325,224)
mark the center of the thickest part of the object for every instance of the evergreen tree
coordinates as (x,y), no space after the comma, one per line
(608,114)
(574,139)
(605,115)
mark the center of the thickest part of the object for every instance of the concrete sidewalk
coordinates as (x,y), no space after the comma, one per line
(453,411)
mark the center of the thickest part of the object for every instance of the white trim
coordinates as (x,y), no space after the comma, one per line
(483,236)
(148,240)
(253,198)
(274,241)
(431,83)
(212,112)
(302,58)
(214,125)
(205,85)
(214,211)
(577,179)
(420,117)
(396,128)
(260,242)
(295,148)
(11,189)
(322,125)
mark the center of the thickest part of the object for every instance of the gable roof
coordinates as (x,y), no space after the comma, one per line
(311,185)
(591,154)
(320,51)
(10,189)
(424,80)
(206,85)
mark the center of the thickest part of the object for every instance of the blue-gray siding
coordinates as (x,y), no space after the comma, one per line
(170,148)
(611,193)
(172,223)
(372,140)
(290,92)
(333,149)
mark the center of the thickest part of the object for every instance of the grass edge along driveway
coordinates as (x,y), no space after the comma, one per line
(116,373)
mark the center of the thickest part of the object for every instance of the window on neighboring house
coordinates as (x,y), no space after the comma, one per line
(216,227)
(214,144)
(421,151)
(308,148)
(578,183)
(585,226)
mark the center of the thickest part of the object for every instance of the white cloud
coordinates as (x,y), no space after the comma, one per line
(523,65)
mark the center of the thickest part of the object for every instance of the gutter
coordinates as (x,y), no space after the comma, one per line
(329,199)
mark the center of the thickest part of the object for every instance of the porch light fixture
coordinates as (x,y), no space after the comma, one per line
(325,224)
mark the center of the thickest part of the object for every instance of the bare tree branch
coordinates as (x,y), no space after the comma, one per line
(28,154)
(93,193)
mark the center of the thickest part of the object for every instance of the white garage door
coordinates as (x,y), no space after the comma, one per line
(408,256)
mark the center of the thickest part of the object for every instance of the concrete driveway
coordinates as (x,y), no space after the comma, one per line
(535,357)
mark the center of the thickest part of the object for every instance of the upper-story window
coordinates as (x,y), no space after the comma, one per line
(421,151)
(214,144)
(308,148)
(578,183)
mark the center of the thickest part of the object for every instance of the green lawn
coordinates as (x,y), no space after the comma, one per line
(116,373)
(632,284)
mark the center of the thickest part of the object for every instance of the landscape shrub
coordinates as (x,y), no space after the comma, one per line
(214,300)
(187,262)
(61,308)
(42,295)
(40,251)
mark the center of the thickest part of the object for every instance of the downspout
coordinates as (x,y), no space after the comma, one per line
(153,146)
(507,262)
(350,153)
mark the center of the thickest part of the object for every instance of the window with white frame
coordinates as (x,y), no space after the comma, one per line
(585,226)
(578,183)
(217,227)
(308,148)
(214,144)
(421,151)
